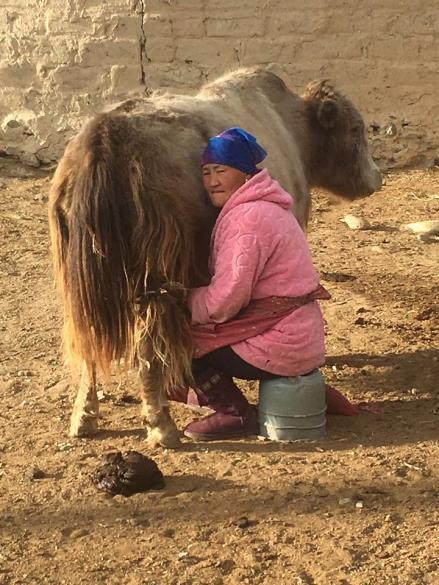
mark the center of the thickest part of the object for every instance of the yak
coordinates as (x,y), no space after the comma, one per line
(130,222)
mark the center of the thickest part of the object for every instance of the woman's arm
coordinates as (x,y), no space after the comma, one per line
(239,262)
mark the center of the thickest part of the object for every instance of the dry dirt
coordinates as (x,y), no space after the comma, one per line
(358,508)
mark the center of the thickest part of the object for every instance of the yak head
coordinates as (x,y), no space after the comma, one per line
(340,158)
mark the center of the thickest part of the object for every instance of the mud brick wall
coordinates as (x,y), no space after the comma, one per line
(63,60)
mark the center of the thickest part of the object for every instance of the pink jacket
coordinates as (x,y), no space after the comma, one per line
(258,250)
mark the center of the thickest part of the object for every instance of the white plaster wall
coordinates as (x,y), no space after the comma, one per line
(63,60)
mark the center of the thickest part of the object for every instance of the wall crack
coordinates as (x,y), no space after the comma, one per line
(144,60)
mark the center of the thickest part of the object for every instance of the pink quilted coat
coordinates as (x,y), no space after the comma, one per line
(258,250)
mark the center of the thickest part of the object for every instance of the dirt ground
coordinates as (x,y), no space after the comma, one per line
(357,508)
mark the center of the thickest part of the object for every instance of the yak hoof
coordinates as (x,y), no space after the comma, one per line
(158,438)
(83,426)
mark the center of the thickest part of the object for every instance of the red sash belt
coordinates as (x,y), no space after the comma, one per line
(256,318)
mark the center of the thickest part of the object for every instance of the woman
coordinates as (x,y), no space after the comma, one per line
(259,317)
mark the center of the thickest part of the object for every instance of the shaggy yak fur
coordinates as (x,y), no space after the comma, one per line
(130,222)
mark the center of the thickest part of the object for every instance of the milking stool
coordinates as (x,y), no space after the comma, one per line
(294,408)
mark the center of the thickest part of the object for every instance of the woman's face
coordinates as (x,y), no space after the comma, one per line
(221,181)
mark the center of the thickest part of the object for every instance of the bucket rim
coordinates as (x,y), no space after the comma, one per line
(316,413)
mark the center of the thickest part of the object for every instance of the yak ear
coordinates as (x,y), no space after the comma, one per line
(327,113)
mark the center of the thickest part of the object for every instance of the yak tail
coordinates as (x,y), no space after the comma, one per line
(119,247)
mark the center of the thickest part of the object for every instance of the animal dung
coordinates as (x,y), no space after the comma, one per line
(424,228)
(356,223)
(127,473)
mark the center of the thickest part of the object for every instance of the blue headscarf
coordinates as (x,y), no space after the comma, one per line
(235,148)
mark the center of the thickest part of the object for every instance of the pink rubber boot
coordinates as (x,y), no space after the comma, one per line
(189,398)
(336,403)
(233,415)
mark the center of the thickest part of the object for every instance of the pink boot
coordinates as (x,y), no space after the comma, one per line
(180,394)
(193,402)
(221,426)
(233,416)
(336,403)
(188,397)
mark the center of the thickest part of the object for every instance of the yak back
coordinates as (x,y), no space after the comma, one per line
(256,100)
(260,102)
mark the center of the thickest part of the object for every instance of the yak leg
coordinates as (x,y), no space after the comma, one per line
(160,427)
(84,419)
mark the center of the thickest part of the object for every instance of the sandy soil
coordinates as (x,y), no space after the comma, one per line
(358,508)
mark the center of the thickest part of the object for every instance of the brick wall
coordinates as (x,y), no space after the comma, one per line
(63,60)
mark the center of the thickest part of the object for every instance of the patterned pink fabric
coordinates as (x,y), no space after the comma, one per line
(258,250)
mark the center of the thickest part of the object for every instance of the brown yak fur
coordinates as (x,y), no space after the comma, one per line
(130,222)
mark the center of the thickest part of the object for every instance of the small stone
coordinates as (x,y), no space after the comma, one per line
(79,532)
(359,504)
(37,473)
(356,223)
(30,159)
(243,522)
(70,532)
(41,198)
(426,228)
(52,383)
(16,386)
(337,276)
(128,399)
(101,395)
(426,239)
(64,446)
(401,471)
(344,501)
(426,314)
(304,579)
(137,521)
(391,129)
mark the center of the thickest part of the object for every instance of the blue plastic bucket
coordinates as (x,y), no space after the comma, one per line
(293,409)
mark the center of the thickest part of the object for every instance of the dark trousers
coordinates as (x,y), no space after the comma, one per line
(229,363)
